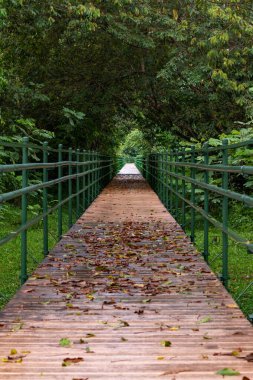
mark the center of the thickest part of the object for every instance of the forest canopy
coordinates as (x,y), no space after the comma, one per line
(90,72)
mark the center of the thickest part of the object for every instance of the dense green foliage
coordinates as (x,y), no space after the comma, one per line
(89,72)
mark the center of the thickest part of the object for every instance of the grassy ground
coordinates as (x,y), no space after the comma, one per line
(10,252)
(240,261)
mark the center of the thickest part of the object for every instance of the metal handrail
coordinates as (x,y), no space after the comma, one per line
(88,172)
(169,173)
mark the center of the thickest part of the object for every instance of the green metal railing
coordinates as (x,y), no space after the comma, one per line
(179,176)
(74,177)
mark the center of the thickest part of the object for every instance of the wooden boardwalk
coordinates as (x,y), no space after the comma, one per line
(124,295)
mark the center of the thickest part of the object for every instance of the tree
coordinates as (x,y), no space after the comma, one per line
(76,67)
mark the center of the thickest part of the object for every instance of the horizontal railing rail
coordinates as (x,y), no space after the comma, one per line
(181,175)
(74,180)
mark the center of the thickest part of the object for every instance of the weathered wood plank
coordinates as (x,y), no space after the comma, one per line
(122,281)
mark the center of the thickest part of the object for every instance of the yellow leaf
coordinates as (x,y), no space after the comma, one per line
(232,306)
(175,14)
(174,328)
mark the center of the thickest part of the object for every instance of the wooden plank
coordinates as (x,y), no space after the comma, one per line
(120,283)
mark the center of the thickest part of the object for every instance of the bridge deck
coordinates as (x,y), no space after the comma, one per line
(133,297)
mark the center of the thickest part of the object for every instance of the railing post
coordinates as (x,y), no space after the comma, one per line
(94,174)
(153,171)
(145,158)
(151,164)
(88,179)
(193,212)
(183,225)
(99,172)
(45,200)
(159,184)
(97,175)
(149,168)
(162,178)
(206,204)
(102,172)
(70,188)
(112,169)
(59,192)
(24,202)
(77,183)
(91,176)
(166,180)
(171,183)
(225,276)
(156,173)
(176,184)
(84,169)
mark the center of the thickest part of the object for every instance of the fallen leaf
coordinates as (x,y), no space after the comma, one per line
(206,336)
(18,327)
(88,350)
(147,300)
(123,324)
(205,320)
(90,335)
(28,291)
(166,343)
(65,342)
(16,358)
(248,357)
(232,306)
(110,302)
(82,341)
(174,328)
(120,307)
(227,372)
(68,361)
(235,353)
(140,311)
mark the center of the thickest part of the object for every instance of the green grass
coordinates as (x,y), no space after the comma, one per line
(10,252)
(240,261)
